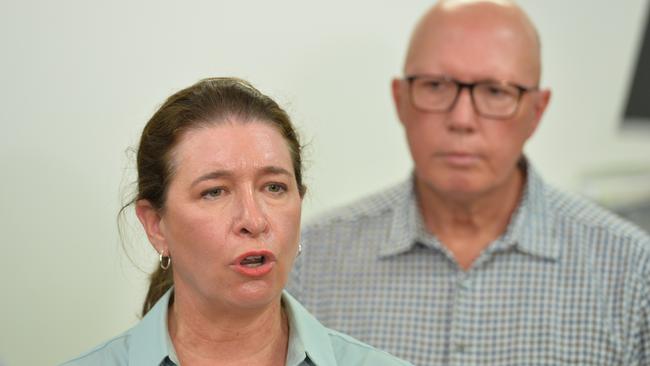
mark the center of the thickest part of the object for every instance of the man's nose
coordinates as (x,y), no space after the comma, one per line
(250,219)
(462,117)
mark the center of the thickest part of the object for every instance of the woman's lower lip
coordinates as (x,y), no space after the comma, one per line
(259,271)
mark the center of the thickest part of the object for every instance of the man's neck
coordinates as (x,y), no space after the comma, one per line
(206,337)
(466,226)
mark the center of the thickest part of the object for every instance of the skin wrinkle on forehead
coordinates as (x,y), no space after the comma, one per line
(235,164)
(453,17)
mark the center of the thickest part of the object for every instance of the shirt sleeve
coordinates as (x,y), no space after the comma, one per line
(640,338)
(642,314)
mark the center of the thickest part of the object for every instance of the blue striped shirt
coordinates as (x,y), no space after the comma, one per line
(566,283)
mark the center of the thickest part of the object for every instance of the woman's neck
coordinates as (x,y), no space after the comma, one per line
(209,335)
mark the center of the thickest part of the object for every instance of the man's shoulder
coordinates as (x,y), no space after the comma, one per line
(374,206)
(572,210)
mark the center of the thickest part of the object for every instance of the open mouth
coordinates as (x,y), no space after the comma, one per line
(253,261)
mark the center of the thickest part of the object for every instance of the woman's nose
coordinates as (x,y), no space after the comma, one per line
(251,220)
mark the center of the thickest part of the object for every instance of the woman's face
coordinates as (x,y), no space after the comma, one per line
(231,221)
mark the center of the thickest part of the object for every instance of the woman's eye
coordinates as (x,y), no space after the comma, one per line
(212,193)
(276,188)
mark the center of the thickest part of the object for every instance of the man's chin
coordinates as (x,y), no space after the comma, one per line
(456,188)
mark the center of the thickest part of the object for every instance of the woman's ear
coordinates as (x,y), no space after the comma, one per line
(150,218)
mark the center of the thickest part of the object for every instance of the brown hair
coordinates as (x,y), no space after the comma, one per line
(208,102)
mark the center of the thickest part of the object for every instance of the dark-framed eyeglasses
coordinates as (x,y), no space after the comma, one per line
(491,99)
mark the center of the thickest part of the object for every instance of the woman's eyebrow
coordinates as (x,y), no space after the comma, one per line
(275,170)
(217,174)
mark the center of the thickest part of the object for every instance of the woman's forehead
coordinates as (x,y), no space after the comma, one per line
(231,146)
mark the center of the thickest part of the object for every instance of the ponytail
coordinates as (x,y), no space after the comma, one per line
(160,281)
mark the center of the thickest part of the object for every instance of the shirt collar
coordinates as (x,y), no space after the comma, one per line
(306,334)
(403,231)
(530,228)
(151,345)
(149,339)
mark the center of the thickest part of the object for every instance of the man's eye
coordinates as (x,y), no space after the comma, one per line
(433,85)
(495,91)
(212,193)
(498,91)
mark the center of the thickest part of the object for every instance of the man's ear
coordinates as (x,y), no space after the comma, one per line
(399,91)
(539,107)
(150,219)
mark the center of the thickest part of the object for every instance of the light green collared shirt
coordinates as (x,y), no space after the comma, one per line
(310,343)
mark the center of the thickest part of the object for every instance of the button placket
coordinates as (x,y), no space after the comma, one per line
(461,318)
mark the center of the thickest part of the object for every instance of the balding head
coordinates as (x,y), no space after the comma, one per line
(464,152)
(470,39)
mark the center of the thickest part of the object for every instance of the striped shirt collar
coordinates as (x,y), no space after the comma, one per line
(530,229)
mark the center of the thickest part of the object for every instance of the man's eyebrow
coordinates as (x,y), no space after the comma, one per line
(212,175)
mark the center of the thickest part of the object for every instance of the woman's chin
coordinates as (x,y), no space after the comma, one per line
(254,294)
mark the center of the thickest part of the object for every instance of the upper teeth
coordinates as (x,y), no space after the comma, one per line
(253,261)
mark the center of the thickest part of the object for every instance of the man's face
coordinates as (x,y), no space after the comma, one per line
(460,153)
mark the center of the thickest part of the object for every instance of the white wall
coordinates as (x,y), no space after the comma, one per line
(79,79)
